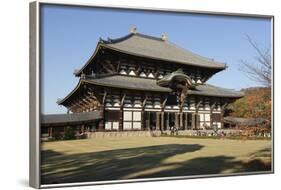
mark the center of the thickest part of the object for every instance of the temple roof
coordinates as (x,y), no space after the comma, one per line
(73,118)
(127,82)
(158,48)
(150,85)
(145,84)
(151,47)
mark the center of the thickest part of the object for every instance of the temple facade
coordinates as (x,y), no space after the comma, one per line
(141,82)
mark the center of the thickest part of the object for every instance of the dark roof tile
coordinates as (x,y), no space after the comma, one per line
(145,84)
(56,119)
(152,47)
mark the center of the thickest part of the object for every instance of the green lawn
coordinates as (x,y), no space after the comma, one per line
(142,157)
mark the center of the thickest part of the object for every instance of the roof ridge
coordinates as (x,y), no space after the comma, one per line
(149,37)
(116,40)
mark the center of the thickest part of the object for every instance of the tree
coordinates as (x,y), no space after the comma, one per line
(260,71)
(255,104)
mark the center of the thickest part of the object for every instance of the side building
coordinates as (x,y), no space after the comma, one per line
(141,82)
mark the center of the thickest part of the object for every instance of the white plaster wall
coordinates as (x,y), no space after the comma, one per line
(127,115)
(137,116)
(127,125)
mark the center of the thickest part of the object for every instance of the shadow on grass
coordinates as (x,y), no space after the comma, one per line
(106,165)
(142,162)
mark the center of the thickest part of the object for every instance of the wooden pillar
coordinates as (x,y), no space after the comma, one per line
(120,128)
(142,120)
(212,105)
(211,117)
(121,116)
(158,121)
(102,122)
(193,121)
(197,117)
(181,120)
(222,114)
(51,132)
(143,116)
(148,121)
(168,121)
(177,120)
(197,121)
(162,121)
(163,113)
(185,121)
(222,119)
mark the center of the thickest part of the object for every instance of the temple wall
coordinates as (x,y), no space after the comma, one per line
(154,116)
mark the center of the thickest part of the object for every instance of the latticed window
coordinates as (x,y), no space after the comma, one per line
(132,120)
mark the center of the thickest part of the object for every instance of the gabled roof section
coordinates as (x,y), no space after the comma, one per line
(151,47)
(158,48)
(150,85)
(145,84)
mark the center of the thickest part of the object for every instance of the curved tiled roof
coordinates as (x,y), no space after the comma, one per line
(150,85)
(56,119)
(145,84)
(156,48)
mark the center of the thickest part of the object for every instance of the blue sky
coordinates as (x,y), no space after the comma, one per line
(70,34)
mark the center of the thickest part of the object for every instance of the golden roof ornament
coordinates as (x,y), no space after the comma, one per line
(164,37)
(133,30)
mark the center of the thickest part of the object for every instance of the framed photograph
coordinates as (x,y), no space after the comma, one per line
(133,94)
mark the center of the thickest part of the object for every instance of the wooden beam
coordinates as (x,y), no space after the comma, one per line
(118,66)
(144,102)
(198,104)
(104,97)
(164,102)
(162,122)
(122,100)
(158,122)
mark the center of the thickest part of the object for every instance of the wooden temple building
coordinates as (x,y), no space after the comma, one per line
(141,82)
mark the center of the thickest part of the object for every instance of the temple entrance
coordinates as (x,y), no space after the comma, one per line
(150,120)
(169,120)
(154,121)
(172,120)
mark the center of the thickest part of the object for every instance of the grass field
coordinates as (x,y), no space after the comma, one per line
(142,157)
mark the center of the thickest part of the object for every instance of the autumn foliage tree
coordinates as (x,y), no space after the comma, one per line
(255,104)
(257,101)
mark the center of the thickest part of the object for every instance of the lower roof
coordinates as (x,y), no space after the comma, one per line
(149,85)
(145,84)
(73,118)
